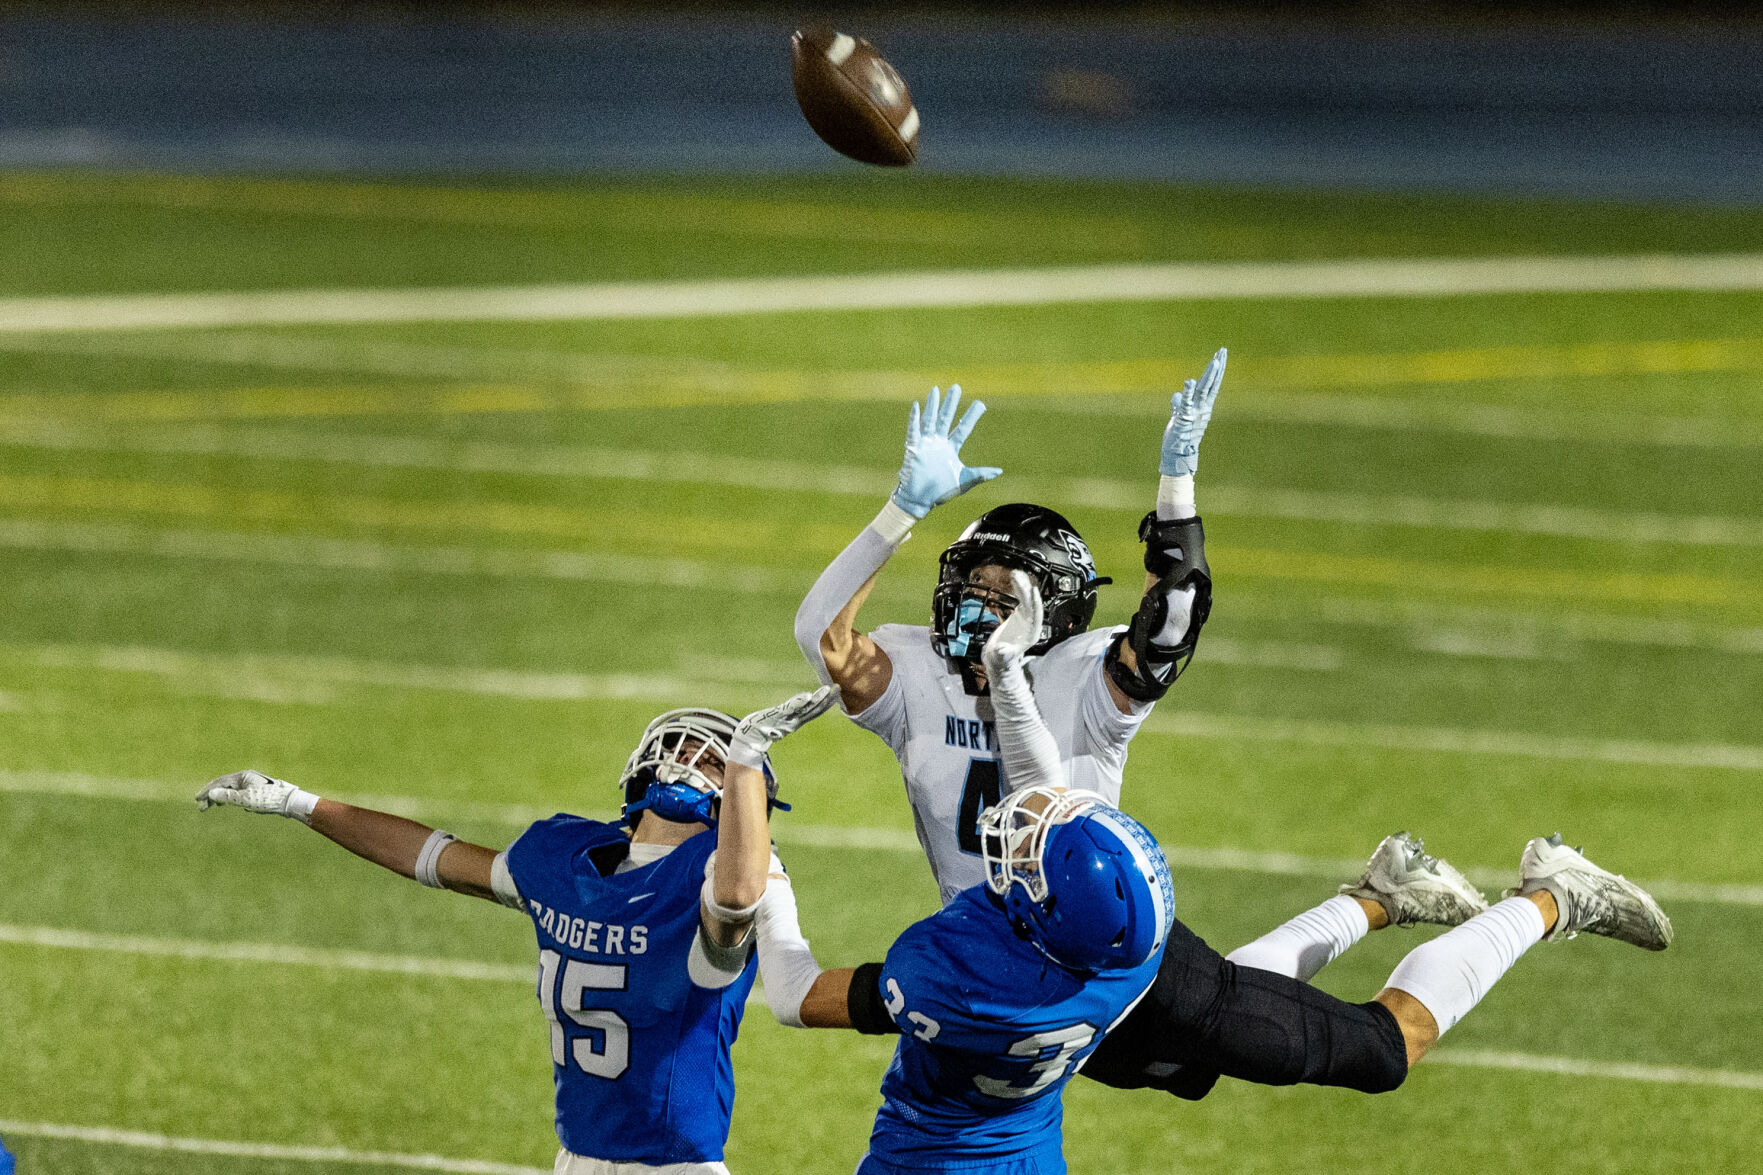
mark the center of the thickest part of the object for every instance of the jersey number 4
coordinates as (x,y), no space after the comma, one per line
(981,791)
(604,1050)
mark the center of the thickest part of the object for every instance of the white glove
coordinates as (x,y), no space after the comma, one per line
(758,730)
(1030,752)
(257,792)
(1020,630)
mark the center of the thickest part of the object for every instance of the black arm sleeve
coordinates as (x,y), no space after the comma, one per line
(1205,1016)
(869,1015)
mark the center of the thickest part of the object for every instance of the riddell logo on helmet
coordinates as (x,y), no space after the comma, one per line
(985,537)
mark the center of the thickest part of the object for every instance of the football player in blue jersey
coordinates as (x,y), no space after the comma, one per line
(644,933)
(990,1034)
(1001,995)
(923,690)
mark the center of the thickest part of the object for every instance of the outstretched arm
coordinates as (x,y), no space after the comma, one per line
(1145,660)
(743,827)
(931,474)
(406,847)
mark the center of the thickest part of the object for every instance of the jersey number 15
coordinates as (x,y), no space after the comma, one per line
(604,1050)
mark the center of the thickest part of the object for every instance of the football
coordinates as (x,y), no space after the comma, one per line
(855,101)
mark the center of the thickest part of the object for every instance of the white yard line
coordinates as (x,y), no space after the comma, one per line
(284,669)
(1436,623)
(577,381)
(674,467)
(1445,740)
(790,831)
(368,555)
(1358,278)
(146,1140)
(1616,1070)
(1458,1058)
(288,677)
(281,954)
(1500,628)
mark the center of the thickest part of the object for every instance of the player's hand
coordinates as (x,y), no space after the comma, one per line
(932,472)
(1189,410)
(1020,630)
(758,730)
(257,792)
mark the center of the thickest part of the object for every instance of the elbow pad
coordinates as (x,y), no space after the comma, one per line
(1167,625)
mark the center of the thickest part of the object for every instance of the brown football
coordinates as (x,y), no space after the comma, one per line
(855,101)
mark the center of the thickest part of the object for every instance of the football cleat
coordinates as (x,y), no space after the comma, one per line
(1590,899)
(1413,887)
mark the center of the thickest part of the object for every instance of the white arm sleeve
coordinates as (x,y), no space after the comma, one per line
(1031,754)
(842,579)
(786,963)
(502,884)
(1175,497)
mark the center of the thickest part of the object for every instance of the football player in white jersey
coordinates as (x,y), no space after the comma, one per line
(924,690)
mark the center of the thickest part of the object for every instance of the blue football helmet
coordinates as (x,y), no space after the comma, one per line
(669,773)
(1080,879)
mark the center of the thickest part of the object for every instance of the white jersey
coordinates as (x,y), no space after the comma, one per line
(948,747)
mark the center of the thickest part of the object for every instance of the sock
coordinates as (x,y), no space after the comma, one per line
(1450,974)
(1309,942)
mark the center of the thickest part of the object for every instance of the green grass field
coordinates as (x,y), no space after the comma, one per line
(1487,566)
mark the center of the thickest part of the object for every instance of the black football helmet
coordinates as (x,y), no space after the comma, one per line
(1026,538)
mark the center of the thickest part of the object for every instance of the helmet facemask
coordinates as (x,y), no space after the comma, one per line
(968,612)
(676,770)
(1013,836)
(1021,538)
(1080,880)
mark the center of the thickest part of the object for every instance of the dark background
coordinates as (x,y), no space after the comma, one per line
(1628,102)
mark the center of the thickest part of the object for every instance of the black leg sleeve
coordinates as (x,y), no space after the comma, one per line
(1205,1015)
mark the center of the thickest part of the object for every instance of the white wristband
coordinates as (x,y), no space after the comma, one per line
(428,861)
(746,754)
(1175,497)
(299,805)
(722,913)
(893,523)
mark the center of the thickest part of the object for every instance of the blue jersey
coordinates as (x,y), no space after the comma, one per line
(640,1053)
(990,1033)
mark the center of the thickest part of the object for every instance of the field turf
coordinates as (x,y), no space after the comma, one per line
(1487,567)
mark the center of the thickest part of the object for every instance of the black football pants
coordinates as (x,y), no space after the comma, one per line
(1205,1017)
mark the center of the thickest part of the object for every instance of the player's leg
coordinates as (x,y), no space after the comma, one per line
(1402,885)
(1559,895)
(1206,1017)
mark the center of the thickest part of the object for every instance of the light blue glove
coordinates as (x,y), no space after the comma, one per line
(1189,410)
(932,472)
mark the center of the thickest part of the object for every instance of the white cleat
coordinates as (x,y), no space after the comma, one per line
(1414,887)
(1590,899)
